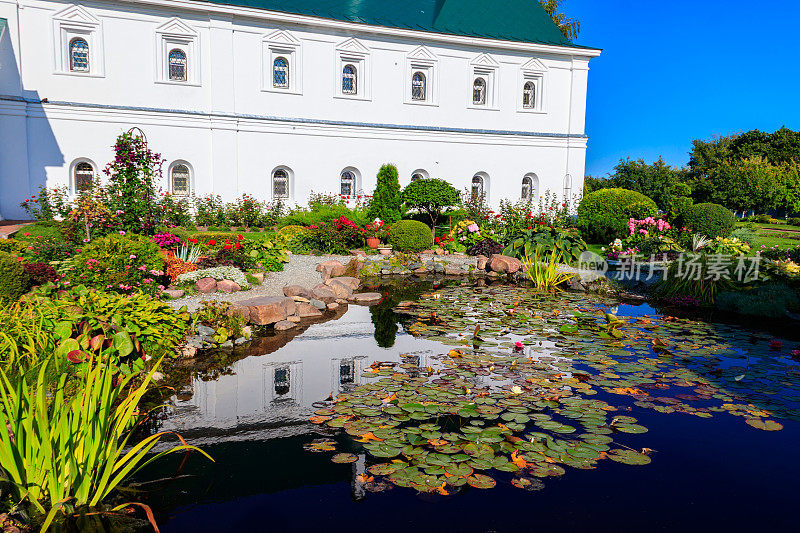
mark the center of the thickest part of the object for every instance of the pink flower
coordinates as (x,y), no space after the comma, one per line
(519,344)
(121,232)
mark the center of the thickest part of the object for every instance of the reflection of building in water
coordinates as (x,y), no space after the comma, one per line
(346,372)
(283,383)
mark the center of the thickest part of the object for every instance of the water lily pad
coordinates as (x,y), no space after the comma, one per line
(344,458)
(481,481)
(766,425)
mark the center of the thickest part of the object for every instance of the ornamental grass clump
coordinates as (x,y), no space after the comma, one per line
(63,453)
(545,272)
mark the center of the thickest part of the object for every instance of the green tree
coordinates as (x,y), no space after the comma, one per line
(385,203)
(658,181)
(568,26)
(752,183)
(431,196)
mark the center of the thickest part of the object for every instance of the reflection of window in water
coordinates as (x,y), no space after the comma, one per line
(346,372)
(282,380)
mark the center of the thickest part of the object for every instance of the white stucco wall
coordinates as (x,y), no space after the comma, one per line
(233,133)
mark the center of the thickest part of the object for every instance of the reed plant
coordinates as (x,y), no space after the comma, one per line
(61,453)
(545,272)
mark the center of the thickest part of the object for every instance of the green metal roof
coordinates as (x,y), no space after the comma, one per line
(2,25)
(509,20)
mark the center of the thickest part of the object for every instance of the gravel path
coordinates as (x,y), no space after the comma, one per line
(300,270)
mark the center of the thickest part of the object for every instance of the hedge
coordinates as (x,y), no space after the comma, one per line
(603,215)
(14,281)
(410,236)
(711,220)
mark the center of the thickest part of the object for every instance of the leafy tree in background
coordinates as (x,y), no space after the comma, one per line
(568,26)
(385,203)
(430,195)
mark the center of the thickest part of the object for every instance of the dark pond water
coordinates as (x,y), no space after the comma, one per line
(706,474)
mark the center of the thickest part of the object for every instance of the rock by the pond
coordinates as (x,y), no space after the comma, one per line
(333,306)
(351,282)
(305,310)
(341,290)
(576,285)
(269,309)
(319,304)
(300,299)
(453,270)
(296,290)
(173,293)
(492,274)
(481,264)
(365,297)
(205,331)
(421,271)
(283,325)
(331,269)
(259,276)
(228,286)
(324,293)
(341,301)
(205,285)
(504,264)
(293,318)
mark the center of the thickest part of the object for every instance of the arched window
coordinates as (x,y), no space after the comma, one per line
(348,181)
(177,65)
(180,180)
(529,95)
(280,73)
(477,187)
(479,91)
(282,383)
(349,80)
(418,86)
(417,176)
(84,176)
(346,372)
(280,184)
(527,188)
(567,188)
(78,55)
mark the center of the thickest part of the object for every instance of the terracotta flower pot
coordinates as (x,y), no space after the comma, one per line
(385,250)
(169,254)
(373,242)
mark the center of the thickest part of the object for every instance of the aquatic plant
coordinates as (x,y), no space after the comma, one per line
(67,453)
(545,271)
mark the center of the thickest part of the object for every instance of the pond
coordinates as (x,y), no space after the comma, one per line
(571,413)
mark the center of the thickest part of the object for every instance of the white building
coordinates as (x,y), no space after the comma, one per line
(278,98)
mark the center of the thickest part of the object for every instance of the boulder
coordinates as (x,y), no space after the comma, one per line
(352,283)
(503,264)
(293,318)
(205,285)
(319,304)
(173,293)
(331,269)
(341,301)
(324,293)
(482,260)
(453,270)
(366,298)
(421,271)
(283,325)
(300,299)
(333,306)
(358,253)
(307,311)
(240,310)
(259,276)
(269,309)
(228,286)
(296,290)
(341,290)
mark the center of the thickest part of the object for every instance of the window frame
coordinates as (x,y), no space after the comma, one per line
(185,65)
(71,52)
(485,184)
(189,178)
(352,52)
(289,183)
(174,34)
(75,22)
(534,186)
(421,172)
(535,72)
(73,174)
(422,61)
(276,45)
(485,68)
(350,72)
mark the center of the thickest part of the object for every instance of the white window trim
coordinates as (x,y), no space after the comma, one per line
(173,34)
(533,71)
(534,185)
(422,172)
(191,177)
(73,185)
(422,60)
(277,44)
(486,184)
(76,22)
(487,68)
(352,52)
(289,185)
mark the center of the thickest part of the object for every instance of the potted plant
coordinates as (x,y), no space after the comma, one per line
(167,242)
(374,233)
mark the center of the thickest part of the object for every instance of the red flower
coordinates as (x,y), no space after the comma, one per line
(227,247)
(240,237)
(212,242)
(193,241)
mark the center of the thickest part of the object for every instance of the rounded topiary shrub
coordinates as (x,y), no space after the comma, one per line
(603,215)
(410,236)
(14,281)
(711,220)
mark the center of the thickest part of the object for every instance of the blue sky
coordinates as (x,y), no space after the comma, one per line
(677,70)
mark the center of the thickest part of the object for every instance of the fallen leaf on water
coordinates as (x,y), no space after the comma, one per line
(364,478)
